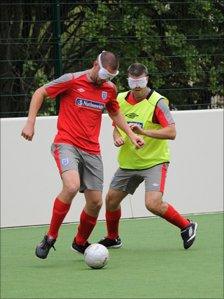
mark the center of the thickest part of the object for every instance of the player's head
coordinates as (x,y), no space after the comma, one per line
(105,67)
(137,76)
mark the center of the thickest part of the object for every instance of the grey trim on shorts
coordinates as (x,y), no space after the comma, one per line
(89,166)
(128,180)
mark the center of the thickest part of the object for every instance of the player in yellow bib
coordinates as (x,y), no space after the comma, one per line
(147,112)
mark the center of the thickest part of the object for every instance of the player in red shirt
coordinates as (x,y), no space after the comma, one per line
(126,180)
(76,149)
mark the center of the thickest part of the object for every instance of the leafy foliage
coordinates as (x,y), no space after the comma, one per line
(181,43)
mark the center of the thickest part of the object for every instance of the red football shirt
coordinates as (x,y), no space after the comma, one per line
(81,106)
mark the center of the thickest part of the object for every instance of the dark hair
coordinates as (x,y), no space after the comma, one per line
(109,59)
(137,69)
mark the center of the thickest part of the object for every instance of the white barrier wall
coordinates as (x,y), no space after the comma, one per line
(30,181)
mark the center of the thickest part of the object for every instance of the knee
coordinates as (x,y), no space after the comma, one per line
(71,189)
(95,205)
(154,205)
(111,203)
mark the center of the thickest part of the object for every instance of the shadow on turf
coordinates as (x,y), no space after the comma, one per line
(69,264)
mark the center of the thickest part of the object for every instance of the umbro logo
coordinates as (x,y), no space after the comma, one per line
(131,115)
(80,89)
(155,184)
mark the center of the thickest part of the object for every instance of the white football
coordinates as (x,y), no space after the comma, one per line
(96,256)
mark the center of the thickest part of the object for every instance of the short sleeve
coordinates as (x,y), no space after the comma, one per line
(59,85)
(112,105)
(162,114)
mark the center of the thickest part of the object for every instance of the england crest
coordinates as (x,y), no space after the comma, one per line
(64,161)
(104,95)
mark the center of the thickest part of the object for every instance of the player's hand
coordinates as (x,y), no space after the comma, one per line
(137,141)
(28,131)
(118,141)
(137,129)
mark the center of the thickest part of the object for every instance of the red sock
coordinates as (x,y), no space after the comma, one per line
(112,219)
(172,216)
(86,225)
(60,210)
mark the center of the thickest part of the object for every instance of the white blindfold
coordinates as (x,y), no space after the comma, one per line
(134,83)
(103,73)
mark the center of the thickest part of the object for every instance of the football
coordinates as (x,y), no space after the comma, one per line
(96,256)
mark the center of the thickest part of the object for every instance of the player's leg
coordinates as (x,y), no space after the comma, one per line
(155,183)
(67,159)
(92,186)
(68,168)
(113,215)
(61,207)
(88,219)
(124,182)
(71,184)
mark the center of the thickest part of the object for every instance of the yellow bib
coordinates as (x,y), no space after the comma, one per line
(155,151)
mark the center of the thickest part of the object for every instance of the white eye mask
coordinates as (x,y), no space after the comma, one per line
(103,73)
(141,82)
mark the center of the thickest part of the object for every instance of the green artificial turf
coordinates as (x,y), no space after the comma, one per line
(151,264)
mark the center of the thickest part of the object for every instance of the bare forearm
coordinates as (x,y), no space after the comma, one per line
(116,133)
(35,104)
(164,133)
(120,122)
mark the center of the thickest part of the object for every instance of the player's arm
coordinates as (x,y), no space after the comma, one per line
(118,140)
(51,90)
(164,133)
(162,117)
(120,122)
(37,99)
